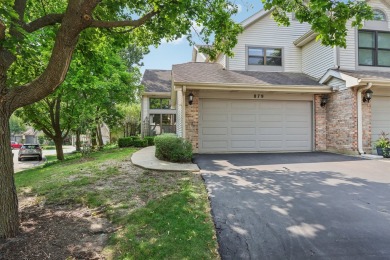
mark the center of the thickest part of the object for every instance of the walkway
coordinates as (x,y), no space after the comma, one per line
(145,158)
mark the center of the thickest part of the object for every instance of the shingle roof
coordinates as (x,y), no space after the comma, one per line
(367,74)
(201,72)
(157,80)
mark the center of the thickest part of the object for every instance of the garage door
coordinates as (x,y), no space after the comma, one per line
(380,119)
(254,126)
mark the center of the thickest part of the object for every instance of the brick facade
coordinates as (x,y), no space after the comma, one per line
(192,120)
(319,124)
(336,123)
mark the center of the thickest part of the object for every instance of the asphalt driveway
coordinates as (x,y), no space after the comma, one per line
(299,205)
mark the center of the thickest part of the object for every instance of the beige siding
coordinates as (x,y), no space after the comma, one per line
(317,59)
(267,33)
(337,84)
(348,56)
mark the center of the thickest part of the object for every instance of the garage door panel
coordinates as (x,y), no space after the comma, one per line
(214,131)
(380,119)
(243,130)
(243,118)
(270,118)
(244,106)
(256,125)
(270,131)
(242,144)
(215,144)
(214,118)
(216,105)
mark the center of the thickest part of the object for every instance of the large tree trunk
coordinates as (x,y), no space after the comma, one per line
(9,218)
(58,143)
(99,136)
(78,141)
(93,138)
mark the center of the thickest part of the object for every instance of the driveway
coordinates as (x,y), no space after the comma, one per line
(30,163)
(299,205)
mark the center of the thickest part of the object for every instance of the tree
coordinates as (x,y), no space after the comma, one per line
(16,124)
(27,25)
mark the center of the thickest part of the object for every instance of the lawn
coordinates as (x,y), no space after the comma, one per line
(155,215)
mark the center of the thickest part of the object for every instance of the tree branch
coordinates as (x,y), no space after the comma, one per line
(132,23)
(2,31)
(50,19)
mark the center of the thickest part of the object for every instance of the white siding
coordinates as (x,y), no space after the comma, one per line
(337,84)
(377,4)
(317,59)
(267,33)
(200,57)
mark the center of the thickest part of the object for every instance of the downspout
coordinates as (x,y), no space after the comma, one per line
(360,117)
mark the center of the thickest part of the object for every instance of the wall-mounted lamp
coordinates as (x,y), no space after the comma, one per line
(367,95)
(190,98)
(324,100)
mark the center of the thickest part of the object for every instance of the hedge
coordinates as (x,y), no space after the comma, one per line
(150,140)
(135,141)
(171,148)
(140,143)
(125,142)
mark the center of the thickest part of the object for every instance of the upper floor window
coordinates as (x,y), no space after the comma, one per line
(264,56)
(159,103)
(374,48)
(379,15)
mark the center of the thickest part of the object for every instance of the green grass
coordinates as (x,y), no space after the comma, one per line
(162,215)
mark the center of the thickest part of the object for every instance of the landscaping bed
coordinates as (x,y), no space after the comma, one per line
(103,207)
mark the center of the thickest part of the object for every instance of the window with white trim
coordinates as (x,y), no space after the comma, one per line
(264,56)
(379,15)
(374,48)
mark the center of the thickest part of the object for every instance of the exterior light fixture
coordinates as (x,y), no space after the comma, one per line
(324,100)
(367,95)
(190,98)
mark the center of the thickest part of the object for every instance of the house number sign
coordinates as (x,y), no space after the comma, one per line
(258,96)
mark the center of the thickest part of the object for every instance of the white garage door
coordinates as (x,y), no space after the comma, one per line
(380,116)
(254,126)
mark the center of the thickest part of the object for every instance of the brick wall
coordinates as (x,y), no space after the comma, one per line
(320,124)
(342,122)
(366,111)
(192,119)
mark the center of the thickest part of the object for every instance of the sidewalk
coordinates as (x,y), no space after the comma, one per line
(145,158)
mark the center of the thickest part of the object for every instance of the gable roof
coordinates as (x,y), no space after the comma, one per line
(254,18)
(157,80)
(355,77)
(214,73)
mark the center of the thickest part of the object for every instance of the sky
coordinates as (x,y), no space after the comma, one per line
(179,51)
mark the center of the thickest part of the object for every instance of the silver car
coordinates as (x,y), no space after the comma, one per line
(30,151)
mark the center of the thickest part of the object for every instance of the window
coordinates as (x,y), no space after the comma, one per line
(162,123)
(264,56)
(159,103)
(379,15)
(374,48)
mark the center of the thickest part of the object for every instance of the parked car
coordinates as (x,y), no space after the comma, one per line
(30,151)
(15,145)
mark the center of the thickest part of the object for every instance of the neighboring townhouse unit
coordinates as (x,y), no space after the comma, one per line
(283,90)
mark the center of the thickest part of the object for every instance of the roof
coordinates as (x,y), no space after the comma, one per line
(367,75)
(157,80)
(200,72)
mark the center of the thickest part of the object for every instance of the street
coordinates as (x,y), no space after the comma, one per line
(30,163)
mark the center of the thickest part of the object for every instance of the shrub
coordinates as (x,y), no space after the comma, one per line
(171,148)
(150,140)
(125,142)
(140,143)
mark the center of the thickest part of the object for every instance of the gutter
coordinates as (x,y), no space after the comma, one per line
(360,117)
(315,89)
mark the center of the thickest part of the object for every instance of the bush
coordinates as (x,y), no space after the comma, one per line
(125,142)
(140,143)
(150,140)
(171,148)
